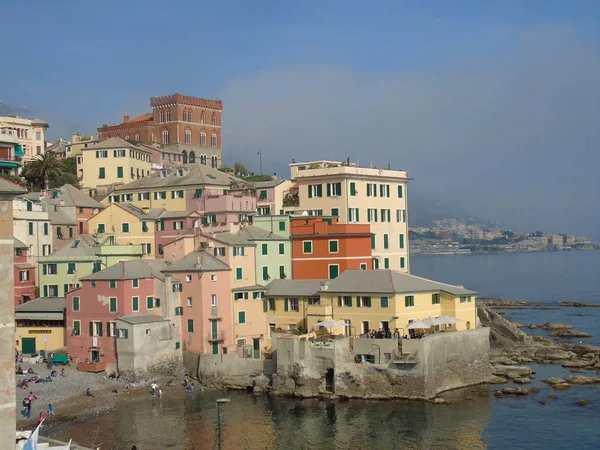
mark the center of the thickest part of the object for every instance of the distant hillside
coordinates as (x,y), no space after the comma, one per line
(59,127)
(425,210)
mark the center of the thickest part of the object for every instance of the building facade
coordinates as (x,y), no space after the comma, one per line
(358,195)
(11,154)
(24,275)
(189,125)
(275,197)
(30,134)
(322,248)
(40,325)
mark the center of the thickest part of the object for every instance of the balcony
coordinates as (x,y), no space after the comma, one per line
(216,337)
(291,199)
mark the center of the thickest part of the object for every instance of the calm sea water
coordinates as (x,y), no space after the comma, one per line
(474,420)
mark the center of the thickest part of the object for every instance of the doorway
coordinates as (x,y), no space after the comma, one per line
(95,356)
(329,381)
(256,348)
(28,346)
(365,327)
(385,325)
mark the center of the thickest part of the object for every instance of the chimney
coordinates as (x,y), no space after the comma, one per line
(125,118)
(324,285)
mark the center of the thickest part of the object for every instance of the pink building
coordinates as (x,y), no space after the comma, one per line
(24,274)
(125,289)
(172,225)
(222,206)
(205,297)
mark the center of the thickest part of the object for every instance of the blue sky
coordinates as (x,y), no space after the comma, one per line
(491,105)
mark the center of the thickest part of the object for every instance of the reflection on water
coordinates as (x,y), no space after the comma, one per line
(188,421)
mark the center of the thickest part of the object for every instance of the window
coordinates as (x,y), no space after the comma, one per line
(125,227)
(384,190)
(111,329)
(75,303)
(385,215)
(24,275)
(345,301)
(71,268)
(213,299)
(384,302)
(282,272)
(401,241)
(334,189)
(213,119)
(315,190)
(375,263)
(188,137)
(113,284)
(178,225)
(399,191)
(30,225)
(373,241)
(101,228)
(188,278)
(101,172)
(241,317)
(402,262)
(190,301)
(386,263)
(178,311)
(203,139)
(202,118)
(238,251)
(95,328)
(219,251)
(135,303)
(371,190)
(353,215)
(46,228)
(76,328)
(269,304)
(281,226)
(238,273)
(363,266)
(371,215)
(177,287)
(165,136)
(363,301)
(435,299)
(265,273)
(162,117)
(409,301)
(291,304)
(50,269)
(168,116)
(333,246)
(465,299)
(113,304)
(334,271)
(307,247)
(213,140)
(190,326)
(240,296)
(400,215)
(102,154)
(213,277)
(119,172)
(335,212)
(386,241)
(353,191)
(149,302)
(119,153)
(315,212)
(147,248)
(177,194)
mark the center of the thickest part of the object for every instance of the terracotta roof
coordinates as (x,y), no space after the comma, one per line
(142,118)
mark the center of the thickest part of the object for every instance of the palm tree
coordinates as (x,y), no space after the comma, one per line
(45,166)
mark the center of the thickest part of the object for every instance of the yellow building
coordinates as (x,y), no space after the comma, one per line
(359,195)
(111,162)
(40,325)
(129,224)
(368,300)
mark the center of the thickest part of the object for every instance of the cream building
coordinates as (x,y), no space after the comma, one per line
(30,134)
(80,142)
(360,195)
(112,162)
(275,197)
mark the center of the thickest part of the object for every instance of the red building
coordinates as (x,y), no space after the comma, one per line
(190,125)
(24,275)
(125,289)
(322,248)
(172,225)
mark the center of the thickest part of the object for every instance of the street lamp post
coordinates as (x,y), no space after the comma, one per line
(220,401)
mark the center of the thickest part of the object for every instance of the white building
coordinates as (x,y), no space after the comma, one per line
(30,134)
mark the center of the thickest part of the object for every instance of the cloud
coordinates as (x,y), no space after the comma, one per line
(511,136)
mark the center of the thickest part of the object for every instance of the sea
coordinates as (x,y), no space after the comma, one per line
(474,419)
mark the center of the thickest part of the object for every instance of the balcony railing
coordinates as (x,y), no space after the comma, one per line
(218,337)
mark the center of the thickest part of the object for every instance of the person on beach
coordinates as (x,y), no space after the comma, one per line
(88,393)
(50,409)
(160,393)
(62,372)
(42,417)
(154,387)
(31,396)
(28,409)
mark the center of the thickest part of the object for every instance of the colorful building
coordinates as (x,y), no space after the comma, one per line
(171,225)
(189,125)
(124,289)
(275,197)
(63,270)
(40,325)
(369,300)
(323,248)
(75,204)
(11,154)
(206,307)
(24,275)
(112,162)
(358,195)
(272,253)
(129,224)
(30,134)
(63,228)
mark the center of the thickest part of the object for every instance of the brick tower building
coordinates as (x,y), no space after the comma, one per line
(190,125)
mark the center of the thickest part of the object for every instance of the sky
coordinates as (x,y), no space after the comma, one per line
(492,106)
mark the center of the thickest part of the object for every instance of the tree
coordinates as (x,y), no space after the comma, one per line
(65,178)
(43,167)
(69,165)
(240,168)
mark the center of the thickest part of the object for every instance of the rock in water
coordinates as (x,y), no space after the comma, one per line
(581,402)
(552,397)
(580,379)
(556,326)
(543,402)
(522,380)
(553,380)
(535,389)
(571,334)
(561,387)
(498,394)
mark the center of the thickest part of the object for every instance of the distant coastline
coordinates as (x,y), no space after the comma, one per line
(468,252)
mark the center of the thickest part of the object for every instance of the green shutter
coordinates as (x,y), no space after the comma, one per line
(91,328)
(335,212)
(384,302)
(172,194)
(350,301)
(307,247)
(281,272)
(310,191)
(386,243)
(319,190)
(406,301)
(242,317)
(119,172)
(372,241)
(386,263)
(101,172)
(333,247)
(281,249)
(328,189)
(65,289)
(400,191)
(402,262)
(238,273)
(30,228)
(136,283)
(136,303)
(339,300)
(357,215)
(45,290)
(149,302)
(352,188)
(265,305)
(265,249)
(177,345)
(338,187)
(75,303)
(286,304)
(99,328)
(70,232)
(44,269)
(281,226)
(265,273)
(113,304)
(401,241)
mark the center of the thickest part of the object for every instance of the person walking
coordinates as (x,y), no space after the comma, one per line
(50,409)
(154,387)
(28,409)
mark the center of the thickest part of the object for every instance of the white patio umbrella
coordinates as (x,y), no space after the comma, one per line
(331,323)
(437,320)
(449,320)
(420,324)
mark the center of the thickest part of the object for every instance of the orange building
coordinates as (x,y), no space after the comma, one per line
(322,248)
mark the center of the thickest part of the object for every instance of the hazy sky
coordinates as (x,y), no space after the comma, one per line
(492,106)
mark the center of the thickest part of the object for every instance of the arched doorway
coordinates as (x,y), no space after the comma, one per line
(192,157)
(185,157)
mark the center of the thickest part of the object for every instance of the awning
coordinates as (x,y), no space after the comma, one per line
(18,150)
(24,266)
(420,324)
(9,164)
(331,323)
